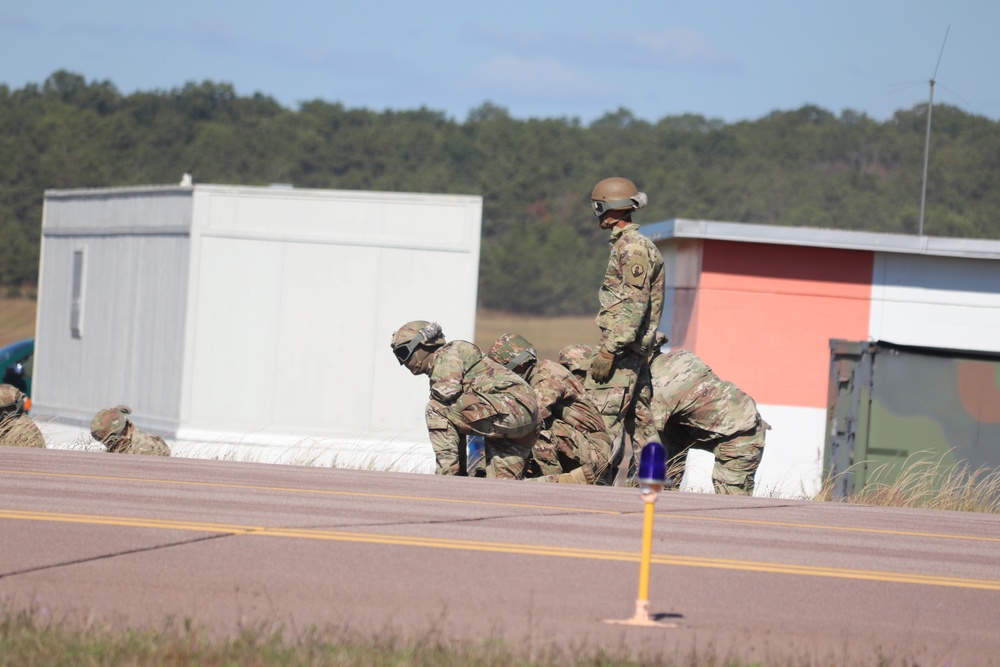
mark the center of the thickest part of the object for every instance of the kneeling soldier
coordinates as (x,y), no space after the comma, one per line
(16,427)
(470,395)
(574,438)
(113,429)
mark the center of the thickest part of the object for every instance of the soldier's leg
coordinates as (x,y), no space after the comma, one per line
(546,455)
(736,462)
(445,439)
(507,458)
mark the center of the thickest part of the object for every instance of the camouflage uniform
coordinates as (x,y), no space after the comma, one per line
(692,407)
(573,432)
(573,445)
(576,359)
(471,394)
(16,428)
(631,299)
(112,428)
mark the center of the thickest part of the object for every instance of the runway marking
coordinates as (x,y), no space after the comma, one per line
(288,489)
(667,515)
(502,547)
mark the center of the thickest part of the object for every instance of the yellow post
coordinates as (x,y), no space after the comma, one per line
(642,601)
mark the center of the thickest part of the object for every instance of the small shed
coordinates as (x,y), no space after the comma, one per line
(761,304)
(251,317)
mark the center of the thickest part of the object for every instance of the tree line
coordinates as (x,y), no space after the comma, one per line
(542,251)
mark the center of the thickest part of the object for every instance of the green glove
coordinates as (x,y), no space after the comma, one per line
(600,367)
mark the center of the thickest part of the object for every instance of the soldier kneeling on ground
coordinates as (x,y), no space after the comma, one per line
(576,359)
(693,407)
(470,394)
(16,427)
(112,428)
(573,446)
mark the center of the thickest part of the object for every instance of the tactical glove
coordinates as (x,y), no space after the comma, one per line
(600,367)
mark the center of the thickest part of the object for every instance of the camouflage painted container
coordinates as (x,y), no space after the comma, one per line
(893,405)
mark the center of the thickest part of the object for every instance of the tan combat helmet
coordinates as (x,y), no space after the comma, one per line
(110,423)
(12,400)
(407,338)
(576,358)
(659,340)
(616,193)
(511,350)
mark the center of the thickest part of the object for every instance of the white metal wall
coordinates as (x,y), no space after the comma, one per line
(294,295)
(936,301)
(135,248)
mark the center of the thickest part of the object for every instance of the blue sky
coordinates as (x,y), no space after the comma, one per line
(726,59)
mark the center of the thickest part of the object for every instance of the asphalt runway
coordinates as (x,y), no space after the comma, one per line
(87,537)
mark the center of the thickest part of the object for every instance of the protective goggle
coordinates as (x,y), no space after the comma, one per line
(602,207)
(405,352)
(518,360)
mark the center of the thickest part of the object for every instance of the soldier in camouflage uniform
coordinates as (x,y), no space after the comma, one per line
(113,429)
(573,446)
(470,395)
(16,427)
(631,298)
(576,359)
(692,407)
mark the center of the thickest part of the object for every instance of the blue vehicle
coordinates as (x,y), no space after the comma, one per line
(16,364)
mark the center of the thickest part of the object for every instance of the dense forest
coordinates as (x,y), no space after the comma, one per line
(542,250)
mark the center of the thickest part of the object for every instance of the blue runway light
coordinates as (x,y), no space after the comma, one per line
(653,463)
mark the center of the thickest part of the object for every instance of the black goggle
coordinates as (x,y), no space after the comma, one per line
(405,352)
(602,207)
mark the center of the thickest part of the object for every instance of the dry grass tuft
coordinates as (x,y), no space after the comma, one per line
(924,480)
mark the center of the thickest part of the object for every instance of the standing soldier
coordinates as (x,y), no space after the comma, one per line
(16,427)
(631,299)
(573,439)
(692,407)
(113,429)
(470,395)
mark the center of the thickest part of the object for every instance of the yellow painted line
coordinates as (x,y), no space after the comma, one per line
(503,547)
(849,529)
(288,489)
(664,515)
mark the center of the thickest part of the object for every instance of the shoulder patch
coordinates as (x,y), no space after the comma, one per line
(635,271)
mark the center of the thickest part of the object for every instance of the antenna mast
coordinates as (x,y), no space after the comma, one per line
(927,138)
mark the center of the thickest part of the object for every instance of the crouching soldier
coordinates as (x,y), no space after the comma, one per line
(574,445)
(693,407)
(16,427)
(576,359)
(470,394)
(112,428)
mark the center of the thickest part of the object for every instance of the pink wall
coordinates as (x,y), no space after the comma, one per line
(762,315)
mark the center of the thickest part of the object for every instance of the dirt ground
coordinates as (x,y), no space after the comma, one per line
(548,334)
(17,320)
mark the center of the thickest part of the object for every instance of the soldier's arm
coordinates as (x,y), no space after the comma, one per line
(446,379)
(633,295)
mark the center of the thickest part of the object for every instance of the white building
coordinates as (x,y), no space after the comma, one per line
(249,316)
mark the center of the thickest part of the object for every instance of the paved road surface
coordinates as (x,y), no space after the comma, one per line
(139,540)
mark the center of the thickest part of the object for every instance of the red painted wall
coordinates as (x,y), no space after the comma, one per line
(764,315)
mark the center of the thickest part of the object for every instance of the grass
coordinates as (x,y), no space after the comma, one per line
(17,319)
(33,638)
(547,334)
(928,482)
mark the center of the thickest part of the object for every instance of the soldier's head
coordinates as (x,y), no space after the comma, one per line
(614,199)
(109,424)
(514,352)
(12,401)
(414,342)
(576,358)
(660,340)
